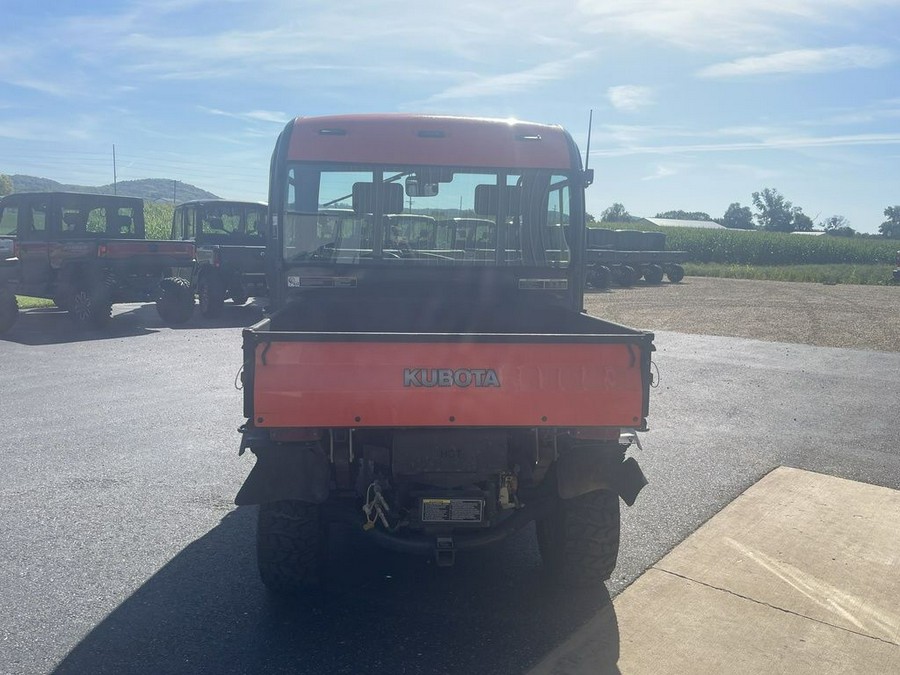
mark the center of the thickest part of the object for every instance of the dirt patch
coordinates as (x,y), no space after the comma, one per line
(859,317)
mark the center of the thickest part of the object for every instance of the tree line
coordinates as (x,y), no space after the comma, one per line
(774,213)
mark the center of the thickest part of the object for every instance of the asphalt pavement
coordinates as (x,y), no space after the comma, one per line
(121,551)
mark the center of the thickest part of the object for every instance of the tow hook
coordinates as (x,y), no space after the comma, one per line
(444,552)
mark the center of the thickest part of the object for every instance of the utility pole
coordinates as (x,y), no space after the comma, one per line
(115,187)
(174,192)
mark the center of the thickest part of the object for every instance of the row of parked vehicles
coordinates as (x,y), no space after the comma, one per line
(87,252)
(624,257)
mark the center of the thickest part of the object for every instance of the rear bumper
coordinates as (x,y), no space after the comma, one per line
(419,543)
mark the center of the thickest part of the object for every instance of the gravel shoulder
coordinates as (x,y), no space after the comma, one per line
(856,317)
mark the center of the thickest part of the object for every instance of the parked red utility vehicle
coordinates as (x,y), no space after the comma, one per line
(87,252)
(435,395)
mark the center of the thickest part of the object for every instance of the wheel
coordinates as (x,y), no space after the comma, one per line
(675,273)
(626,275)
(579,539)
(63,297)
(9,310)
(176,301)
(211,295)
(90,305)
(289,545)
(600,277)
(653,274)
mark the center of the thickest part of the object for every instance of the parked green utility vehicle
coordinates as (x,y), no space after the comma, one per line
(231,250)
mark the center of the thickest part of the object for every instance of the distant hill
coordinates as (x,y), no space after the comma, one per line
(151,189)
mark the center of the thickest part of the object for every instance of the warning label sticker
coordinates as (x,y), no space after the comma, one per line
(452,510)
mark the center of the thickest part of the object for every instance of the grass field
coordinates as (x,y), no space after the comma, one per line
(158,220)
(876,275)
(26,302)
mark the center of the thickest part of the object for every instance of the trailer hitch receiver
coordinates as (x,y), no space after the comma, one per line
(444,552)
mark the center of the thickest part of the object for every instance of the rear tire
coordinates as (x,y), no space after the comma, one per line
(653,274)
(176,301)
(600,277)
(626,275)
(90,305)
(9,310)
(675,273)
(289,544)
(63,297)
(579,539)
(211,295)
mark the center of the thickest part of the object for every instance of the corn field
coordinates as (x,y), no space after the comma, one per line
(741,247)
(158,219)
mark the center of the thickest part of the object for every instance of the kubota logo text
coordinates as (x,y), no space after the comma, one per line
(448,377)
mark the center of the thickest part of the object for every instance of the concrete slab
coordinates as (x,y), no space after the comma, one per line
(819,546)
(800,574)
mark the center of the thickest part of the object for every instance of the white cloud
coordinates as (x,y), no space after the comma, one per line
(498,85)
(702,25)
(802,61)
(629,97)
(662,171)
(792,142)
(252,115)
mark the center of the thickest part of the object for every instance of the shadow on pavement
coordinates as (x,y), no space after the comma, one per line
(376,612)
(52,326)
(232,316)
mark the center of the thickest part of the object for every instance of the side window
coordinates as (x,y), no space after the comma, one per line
(36,217)
(558,209)
(255,220)
(178,224)
(96,222)
(120,222)
(190,222)
(9,220)
(555,244)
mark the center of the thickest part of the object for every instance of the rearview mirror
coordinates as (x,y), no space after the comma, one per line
(417,188)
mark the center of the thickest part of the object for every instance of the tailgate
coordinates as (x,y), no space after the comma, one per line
(400,380)
(148,251)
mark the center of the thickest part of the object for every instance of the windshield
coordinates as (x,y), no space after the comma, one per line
(232,219)
(415,215)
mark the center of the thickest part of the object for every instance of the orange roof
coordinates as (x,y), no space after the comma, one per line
(430,140)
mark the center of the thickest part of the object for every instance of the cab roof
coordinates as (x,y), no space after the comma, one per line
(431,140)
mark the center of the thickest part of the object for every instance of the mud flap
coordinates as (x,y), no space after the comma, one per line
(287,472)
(584,470)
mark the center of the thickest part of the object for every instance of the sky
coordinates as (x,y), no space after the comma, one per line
(696,103)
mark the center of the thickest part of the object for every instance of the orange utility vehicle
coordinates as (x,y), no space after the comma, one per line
(435,395)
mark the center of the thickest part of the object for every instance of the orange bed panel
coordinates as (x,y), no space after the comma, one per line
(392,384)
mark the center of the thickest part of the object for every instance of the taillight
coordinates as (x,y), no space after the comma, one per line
(217,257)
(102,250)
(15,250)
